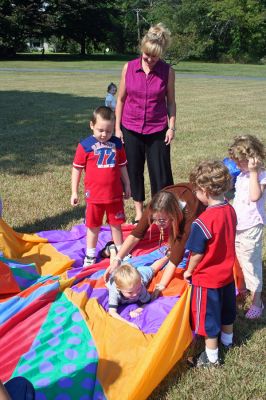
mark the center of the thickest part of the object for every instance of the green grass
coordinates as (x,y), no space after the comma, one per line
(45,114)
(105,62)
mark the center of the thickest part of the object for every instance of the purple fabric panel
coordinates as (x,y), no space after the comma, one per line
(152,316)
(73,243)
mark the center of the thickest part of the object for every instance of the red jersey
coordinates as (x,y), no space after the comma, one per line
(213,234)
(102,163)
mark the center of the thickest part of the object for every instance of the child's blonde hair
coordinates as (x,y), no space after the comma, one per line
(126,276)
(245,147)
(167,203)
(104,112)
(156,40)
(213,176)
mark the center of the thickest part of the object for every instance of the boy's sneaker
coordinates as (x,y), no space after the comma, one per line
(88,261)
(203,361)
(225,348)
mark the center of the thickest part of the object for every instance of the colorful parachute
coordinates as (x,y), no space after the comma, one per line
(54,328)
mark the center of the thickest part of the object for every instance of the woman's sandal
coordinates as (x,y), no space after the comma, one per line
(106,251)
(255,312)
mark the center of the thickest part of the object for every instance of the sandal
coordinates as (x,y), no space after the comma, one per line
(255,312)
(106,251)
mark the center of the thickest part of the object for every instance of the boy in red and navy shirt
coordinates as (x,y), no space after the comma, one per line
(212,256)
(103,158)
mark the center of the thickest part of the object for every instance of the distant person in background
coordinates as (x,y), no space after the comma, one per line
(110,100)
(146,114)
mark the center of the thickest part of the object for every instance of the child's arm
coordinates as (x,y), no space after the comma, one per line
(166,278)
(113,312)
(75,179)
(255,188)
(3,393)
(194,259)
(126,182)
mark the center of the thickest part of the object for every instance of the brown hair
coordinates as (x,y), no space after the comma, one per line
(126,275)
(245,147)
(110,86)
(213,176)
(166,202)
(156,40)
(104,112)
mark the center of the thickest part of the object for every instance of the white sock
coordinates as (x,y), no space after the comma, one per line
(226,338)
(118,246)
(91,252)
(212,354)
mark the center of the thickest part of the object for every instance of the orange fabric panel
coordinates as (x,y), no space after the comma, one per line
(131,363)
(28,249)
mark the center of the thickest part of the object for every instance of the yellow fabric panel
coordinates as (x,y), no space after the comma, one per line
(28,249)
(131,363)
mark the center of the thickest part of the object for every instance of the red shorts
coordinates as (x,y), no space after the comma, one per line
(114,214)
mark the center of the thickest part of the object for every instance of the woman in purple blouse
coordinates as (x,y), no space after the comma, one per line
(145,115)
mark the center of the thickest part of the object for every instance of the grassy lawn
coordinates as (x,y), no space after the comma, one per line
(45,114)
(114,62)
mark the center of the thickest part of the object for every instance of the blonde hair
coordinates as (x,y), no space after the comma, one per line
(167,203)
(245,147)
(213,176)
(126,276)
(156,41)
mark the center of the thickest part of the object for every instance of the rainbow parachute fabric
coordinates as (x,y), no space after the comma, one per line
(54,328)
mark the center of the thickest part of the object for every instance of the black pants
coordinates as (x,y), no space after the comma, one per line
(139,147)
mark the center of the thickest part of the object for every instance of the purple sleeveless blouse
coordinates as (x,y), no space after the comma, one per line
(145,109)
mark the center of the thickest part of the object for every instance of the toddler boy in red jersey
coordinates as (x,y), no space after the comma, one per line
(103,158)
(212,256)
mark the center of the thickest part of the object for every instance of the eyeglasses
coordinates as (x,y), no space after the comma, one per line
(160,221)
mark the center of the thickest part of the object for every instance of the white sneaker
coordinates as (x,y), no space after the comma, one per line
(88,261)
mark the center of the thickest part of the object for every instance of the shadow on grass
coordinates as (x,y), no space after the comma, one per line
(244,329)
(56,221)
(39,130)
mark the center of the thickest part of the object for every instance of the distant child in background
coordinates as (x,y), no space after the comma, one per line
(103,158)
(128,285)
(249,153)
(110,100)
(211,261)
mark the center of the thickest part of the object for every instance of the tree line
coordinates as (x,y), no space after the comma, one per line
(227,30)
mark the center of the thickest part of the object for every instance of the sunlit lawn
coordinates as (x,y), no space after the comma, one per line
(45,114)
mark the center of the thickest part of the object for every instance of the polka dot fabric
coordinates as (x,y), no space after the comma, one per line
(62,361)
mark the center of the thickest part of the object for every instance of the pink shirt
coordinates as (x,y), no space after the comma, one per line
(145,108)
(249,213)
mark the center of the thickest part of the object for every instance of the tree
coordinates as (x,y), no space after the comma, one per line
(82,20)
(19,20)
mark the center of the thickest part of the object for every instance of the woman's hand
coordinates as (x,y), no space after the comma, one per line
(115,264)
(119,134)
(169,136)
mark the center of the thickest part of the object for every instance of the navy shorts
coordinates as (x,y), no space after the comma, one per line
(212,308)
